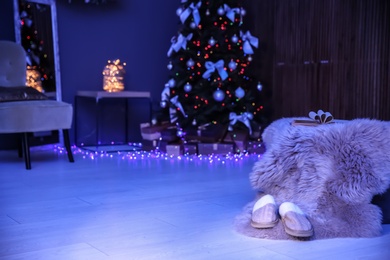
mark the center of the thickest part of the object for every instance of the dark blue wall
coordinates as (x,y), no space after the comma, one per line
(138,32)
(7,30)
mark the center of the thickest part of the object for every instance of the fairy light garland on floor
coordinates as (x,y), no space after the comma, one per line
(157,155)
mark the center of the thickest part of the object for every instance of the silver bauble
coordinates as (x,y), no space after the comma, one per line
(232,65)
(180,133)
(171,83)
(190,63)
(240,93)
(259,87)
(234,39)
(179,11)
(212,41)
(221,11)
(218,95)
(187,87)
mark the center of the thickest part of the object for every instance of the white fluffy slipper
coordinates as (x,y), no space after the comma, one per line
(264,213)
(294,220)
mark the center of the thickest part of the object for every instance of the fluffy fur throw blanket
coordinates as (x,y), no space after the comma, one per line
(330,171)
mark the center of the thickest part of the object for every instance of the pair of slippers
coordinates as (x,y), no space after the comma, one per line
(265,215)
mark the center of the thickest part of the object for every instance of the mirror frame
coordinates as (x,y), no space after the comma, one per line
(53,9)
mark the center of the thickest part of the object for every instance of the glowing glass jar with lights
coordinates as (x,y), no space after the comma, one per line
(33,78)
(113,76)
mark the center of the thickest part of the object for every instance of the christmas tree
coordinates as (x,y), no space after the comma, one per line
(209,62)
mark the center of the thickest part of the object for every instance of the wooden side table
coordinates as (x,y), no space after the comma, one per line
(88,105)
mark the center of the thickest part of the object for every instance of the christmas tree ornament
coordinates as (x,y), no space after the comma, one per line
(243,12)
(180,132)
(249,58)
(190,63)
(166,93)
(179,43)
(23,14)
(175,101)
(163,104)
(170,66)
(249,41)
(187,87)
(171,83)
(207,12)
(232,65)
(179,11)
(194,122)
(192,25)
(28,22)
(218,95)
(221,11)
(231,12)
(212,41)
(192,9)
(244,118)
(259,86)
(240,93)
(211,67)
(234,38)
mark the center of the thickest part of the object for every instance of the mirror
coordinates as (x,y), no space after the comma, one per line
(36,31)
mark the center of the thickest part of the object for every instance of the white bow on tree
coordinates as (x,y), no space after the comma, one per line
(166,93)
(195,13)
(249,41)
(211,67)
(231,12)
(245,118)
(172,112)
(180,42)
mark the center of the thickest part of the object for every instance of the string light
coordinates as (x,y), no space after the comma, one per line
(113,76)
(155,155)
(33,78)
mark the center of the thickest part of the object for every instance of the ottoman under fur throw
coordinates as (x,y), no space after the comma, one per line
(330,171)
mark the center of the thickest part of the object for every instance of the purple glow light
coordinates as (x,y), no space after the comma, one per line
(157,155)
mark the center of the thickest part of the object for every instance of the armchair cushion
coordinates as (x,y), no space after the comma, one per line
(20,93)
(34,116)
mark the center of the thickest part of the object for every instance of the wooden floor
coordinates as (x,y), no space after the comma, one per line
(121,207)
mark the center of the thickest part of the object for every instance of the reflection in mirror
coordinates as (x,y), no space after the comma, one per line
(36,31)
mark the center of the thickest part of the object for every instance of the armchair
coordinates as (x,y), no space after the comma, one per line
(24,112)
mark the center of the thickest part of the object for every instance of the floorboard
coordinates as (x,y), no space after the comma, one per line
(120,206)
